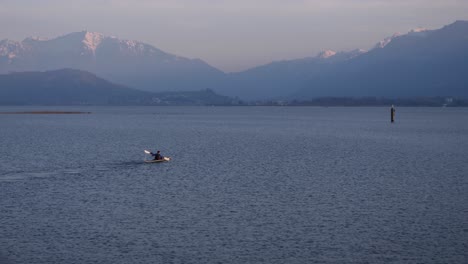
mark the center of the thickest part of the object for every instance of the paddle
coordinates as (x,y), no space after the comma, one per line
(147,151)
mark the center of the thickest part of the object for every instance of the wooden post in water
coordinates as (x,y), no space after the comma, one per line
(392,114)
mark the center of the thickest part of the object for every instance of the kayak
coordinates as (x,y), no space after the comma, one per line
(158,161)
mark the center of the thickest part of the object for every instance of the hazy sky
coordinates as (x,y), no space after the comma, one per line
(231,34)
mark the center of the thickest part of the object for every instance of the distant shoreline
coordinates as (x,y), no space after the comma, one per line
(44,113)
(437,101)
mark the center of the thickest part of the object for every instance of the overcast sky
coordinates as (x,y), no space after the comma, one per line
(231,34)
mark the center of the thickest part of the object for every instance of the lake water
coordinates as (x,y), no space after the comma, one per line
(245,185)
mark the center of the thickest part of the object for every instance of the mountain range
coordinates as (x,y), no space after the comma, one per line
(126,62)
(76,87)
(419,63)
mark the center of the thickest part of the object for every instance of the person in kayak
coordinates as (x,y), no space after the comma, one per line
(157,156)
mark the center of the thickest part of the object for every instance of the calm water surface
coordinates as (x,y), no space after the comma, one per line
(246,185)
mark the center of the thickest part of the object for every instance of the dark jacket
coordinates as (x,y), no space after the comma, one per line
(157,156)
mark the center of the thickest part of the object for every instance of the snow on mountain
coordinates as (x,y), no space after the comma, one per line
(127,62)
(92,41)
(82,43)
(326,54)
(416,55)
(420,63)
(417,32)
(381,44)
(346,55)
(334,56)
(9,48)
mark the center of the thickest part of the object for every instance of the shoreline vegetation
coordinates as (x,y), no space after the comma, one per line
(371,101)
(45,113)
(317,102)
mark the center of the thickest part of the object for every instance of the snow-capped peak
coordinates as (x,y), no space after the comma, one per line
(326,54)
(418,32)
(381,44)
(92,40)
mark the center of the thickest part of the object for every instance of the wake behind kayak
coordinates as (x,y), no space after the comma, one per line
(165,159)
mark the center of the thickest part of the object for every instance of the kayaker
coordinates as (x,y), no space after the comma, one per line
(157,156)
